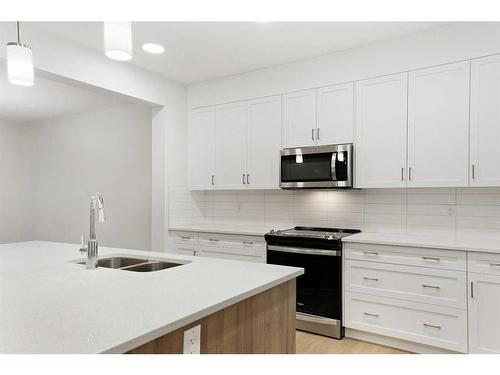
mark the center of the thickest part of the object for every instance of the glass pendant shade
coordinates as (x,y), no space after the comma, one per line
(118,40)
(20,64)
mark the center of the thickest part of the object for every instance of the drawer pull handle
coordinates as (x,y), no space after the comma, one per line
(213,240)
(371,314)
(370,253)
(495,264)
(248,242)
(432,326)
(431,258)
(431,286)
(370,278)
(185,238)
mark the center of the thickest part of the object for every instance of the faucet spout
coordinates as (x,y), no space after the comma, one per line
(96,208)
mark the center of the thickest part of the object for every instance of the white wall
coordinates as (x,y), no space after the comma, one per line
(439,45)
(446,211)
(108,151)
(15,202)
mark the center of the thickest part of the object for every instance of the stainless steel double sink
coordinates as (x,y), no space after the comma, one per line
(135,264)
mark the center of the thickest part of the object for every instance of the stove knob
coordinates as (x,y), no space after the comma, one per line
(272,231)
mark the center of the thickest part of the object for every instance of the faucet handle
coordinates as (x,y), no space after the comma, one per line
(83,247)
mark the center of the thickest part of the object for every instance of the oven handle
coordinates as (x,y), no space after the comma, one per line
(308,251)
(316,319)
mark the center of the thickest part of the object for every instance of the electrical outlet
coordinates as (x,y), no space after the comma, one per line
(192,340)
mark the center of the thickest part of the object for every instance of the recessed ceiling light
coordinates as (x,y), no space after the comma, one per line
(153,48)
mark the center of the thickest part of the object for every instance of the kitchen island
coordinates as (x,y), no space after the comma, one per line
(51,304)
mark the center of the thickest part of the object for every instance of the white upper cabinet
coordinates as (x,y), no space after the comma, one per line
(201,149)
(335,111)
(484,310)
(299,119)
(485,122)
(438,126)
(381,131)
(263,143)
(230,141)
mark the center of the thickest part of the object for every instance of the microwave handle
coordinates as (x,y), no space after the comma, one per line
(334,166)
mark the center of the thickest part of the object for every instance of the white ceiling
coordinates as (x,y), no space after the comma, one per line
(198,51)
(48,99)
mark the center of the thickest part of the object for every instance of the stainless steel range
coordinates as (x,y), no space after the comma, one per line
(319,290)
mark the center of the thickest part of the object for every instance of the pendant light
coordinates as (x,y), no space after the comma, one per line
(118,40)
(19,62)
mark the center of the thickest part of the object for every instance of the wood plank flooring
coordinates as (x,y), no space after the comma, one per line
(308,343)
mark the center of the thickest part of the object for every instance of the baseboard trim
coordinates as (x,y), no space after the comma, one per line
(395,343)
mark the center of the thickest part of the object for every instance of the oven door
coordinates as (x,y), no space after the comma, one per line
(316,167)
(319,289)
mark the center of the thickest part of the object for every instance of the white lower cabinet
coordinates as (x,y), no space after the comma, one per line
(407,293)
(214,245)
(484,303)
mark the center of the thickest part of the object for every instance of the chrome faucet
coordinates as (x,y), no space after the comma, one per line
(96,202)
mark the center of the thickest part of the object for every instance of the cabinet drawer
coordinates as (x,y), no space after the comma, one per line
(249,246)
(185,239)
(430,325)
(411,256)
(425,285)
(484,263)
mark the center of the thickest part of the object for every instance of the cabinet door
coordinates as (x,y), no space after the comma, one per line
(381,130)
(201,148)
(485,122)
(438,126)
(335,114)
(230,141)
(263,143)
(299,119)
(484,310)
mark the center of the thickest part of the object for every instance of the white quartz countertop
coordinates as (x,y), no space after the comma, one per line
(475,243)
(224,229)
(49,304)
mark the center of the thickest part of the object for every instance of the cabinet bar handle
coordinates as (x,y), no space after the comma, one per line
(317,134)
(431,258)
(495,264)
(243,178)
(213,239)
(472,289)
(409,174)
(185,237)
(432,326)
(213,179)
(370,278)
(431,286)
(370,253)
(248,178)
(370,314)
(473,171)
(312,134)
(248,242)
(402,174)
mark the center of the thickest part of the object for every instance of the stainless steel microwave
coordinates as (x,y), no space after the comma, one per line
(317,167)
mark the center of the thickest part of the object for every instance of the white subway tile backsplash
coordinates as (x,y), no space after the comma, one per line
(435,210)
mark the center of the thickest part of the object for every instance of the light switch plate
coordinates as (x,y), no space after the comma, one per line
(192,340)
